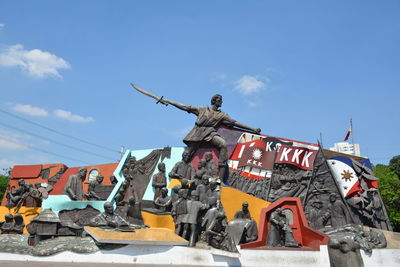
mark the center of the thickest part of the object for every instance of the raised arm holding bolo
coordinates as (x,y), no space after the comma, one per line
(205,129)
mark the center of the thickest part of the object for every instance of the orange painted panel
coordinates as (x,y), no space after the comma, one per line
(59,186)
(26,212)
(158,221)
(26,171)
(232,200)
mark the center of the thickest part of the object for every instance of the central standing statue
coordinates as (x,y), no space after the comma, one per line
(205,129)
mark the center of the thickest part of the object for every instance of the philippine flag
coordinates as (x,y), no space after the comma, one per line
(344,175)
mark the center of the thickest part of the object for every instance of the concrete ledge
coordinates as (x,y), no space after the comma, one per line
(185,256)
(381,257)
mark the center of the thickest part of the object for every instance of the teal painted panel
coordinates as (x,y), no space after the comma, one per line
(63,202)
(176,155)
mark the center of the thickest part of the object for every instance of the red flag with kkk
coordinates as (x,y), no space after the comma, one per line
(257,157)
(252,159)
(254,164)
(298,156)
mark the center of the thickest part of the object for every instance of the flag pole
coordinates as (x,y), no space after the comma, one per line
(313,174)
(320,137)
(272,175)
(352,133)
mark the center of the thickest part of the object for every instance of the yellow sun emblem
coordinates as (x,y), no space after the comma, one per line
(347,175)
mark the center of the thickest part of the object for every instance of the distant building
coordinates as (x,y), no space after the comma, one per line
(344,147)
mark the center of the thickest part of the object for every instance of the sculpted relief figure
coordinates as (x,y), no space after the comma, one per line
(242,228)
(163,202)
(201,170)
(108,218)
(244,213)
(159,180)
(73,188)
(14,196)
(338,213)
(190,220)
(8,225)
(179,210)
(211,168)
(92,195)
(280,233)
(183,169)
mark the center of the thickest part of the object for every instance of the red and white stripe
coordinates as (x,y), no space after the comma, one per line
(250,140)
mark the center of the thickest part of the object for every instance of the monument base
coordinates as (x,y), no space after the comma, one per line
(186,256)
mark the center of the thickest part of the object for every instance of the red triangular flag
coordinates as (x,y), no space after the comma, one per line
(347,135)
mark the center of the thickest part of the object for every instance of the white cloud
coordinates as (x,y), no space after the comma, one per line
(67,115)
(35,62)
(10,140)
(248,85)
(5,142)
(2,25)
(30,110)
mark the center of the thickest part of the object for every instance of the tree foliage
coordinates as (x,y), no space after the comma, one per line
(389,187)
(394,165)
(4,179)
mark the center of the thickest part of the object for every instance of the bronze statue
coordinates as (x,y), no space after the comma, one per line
(202,188)
(108,218)
(73,188)
(316,217)
(205,129)
(113,179)
(179,210)
(183,169)
(376,208)
(216,235)
(242,228)
(186,184)
(163,202)
(134,214)
(31,197)
(175,196)
(279,233)
(14,197)
(211,213)
(210,166)
(8,226)
(190,220)
(201,170)
(92,195)
(338,213)
(213,190)
(244,213)
(159,180)
(345,243)
(19,224)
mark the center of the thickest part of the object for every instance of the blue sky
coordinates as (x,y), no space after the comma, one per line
(293,68)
